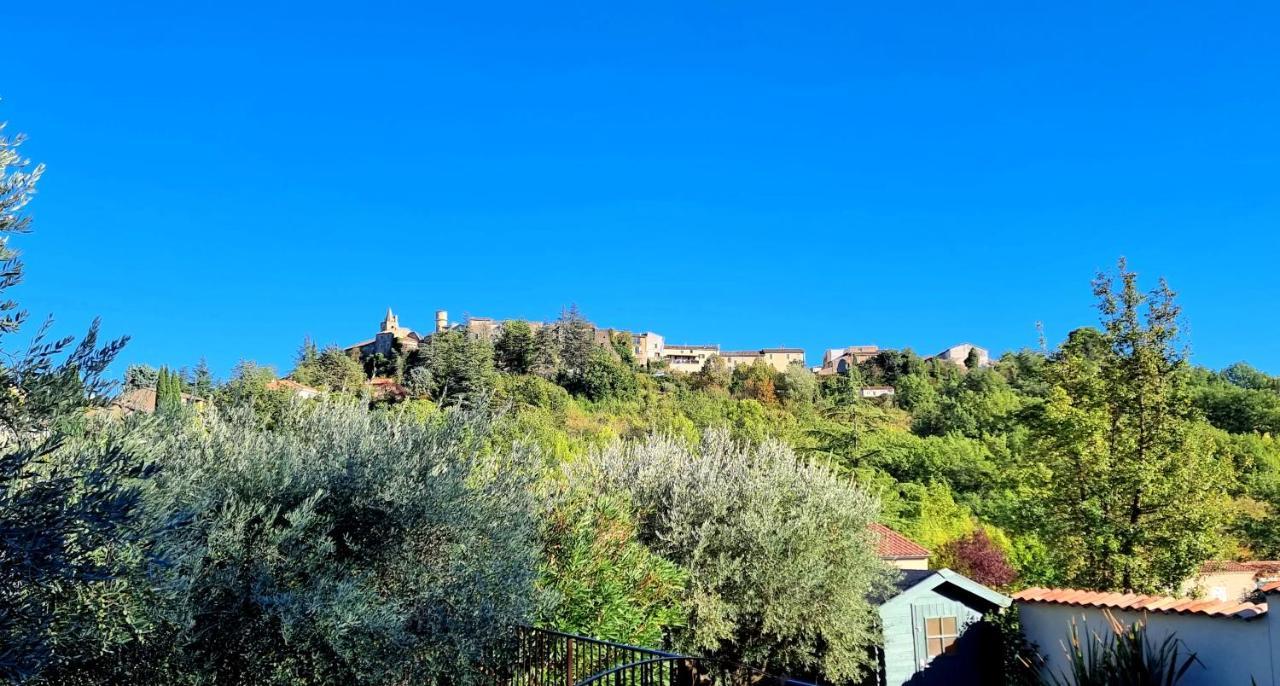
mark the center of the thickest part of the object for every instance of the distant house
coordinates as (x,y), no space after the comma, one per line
(688,358)
(933,631)
(647,347)
(293,388)
(777,358)
(386,389)
(143,400)
(898,550)
(876,391)
(1235,642)
(1229,580)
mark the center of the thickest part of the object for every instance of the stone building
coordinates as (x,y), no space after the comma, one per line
(957,354)
(841,360)
(390,338)
(647,347)
(777,358)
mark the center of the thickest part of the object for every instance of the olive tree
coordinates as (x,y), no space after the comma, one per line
(342,546)
(782,571)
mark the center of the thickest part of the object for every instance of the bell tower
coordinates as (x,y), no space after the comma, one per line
(390,323)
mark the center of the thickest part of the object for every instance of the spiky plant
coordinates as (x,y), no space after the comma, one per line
(1124,655)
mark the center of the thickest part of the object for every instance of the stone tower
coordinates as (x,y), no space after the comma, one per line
(390,323)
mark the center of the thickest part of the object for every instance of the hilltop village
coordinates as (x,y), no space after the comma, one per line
(649,350)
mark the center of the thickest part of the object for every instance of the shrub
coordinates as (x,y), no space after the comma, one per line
(533,391)
(979,558)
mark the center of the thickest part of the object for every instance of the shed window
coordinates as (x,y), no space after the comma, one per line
(939,635)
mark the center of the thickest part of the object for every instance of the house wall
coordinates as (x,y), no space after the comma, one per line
(647,347)
(1233,651)
(957,354)
(733,360)
(919,563)
(904,650)
(781,359)
(1221,585)
(687,359)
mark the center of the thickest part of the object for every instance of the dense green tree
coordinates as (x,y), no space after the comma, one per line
(546,352)
(797,384)
(202,384)
(460,366)
(606,376)
(330,370)
(603,581)
(1239,399)
(973,359)
(714,375)
(138,376)
(1245,376)
(168,392)
(576,341)
(1132,490)
(515,350)
(250,387)
(755,381)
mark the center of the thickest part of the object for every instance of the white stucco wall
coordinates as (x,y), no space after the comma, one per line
(1233,650)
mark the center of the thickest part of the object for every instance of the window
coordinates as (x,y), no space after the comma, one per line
(939,635)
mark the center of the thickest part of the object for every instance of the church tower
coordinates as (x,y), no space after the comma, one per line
(390,323)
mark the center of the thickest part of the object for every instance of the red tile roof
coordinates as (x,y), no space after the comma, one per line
(1260,568)
(1218,566)
(1270,588)
(892,545)
(1263,568)
(1142,603)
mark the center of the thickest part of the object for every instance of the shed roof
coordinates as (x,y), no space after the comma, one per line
(1142,603)
(912,582)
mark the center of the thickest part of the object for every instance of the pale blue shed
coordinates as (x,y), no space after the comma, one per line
(934,633)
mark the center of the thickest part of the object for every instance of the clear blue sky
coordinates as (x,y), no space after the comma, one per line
(226,179)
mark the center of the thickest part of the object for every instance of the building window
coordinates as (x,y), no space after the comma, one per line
(939,635)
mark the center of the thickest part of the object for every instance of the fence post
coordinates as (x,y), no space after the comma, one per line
(568,663)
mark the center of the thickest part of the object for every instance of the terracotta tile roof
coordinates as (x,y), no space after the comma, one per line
(1263,568)
(892,545)
(1142,603)
(1213,566)
(1272,587)
(1260,568)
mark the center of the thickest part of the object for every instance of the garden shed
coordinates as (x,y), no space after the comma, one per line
(934,631)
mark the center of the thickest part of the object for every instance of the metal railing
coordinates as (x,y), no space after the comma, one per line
(541,657)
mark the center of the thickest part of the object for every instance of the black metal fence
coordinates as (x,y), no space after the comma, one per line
(541,657)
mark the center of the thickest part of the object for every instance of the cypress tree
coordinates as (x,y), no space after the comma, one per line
(168,392)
